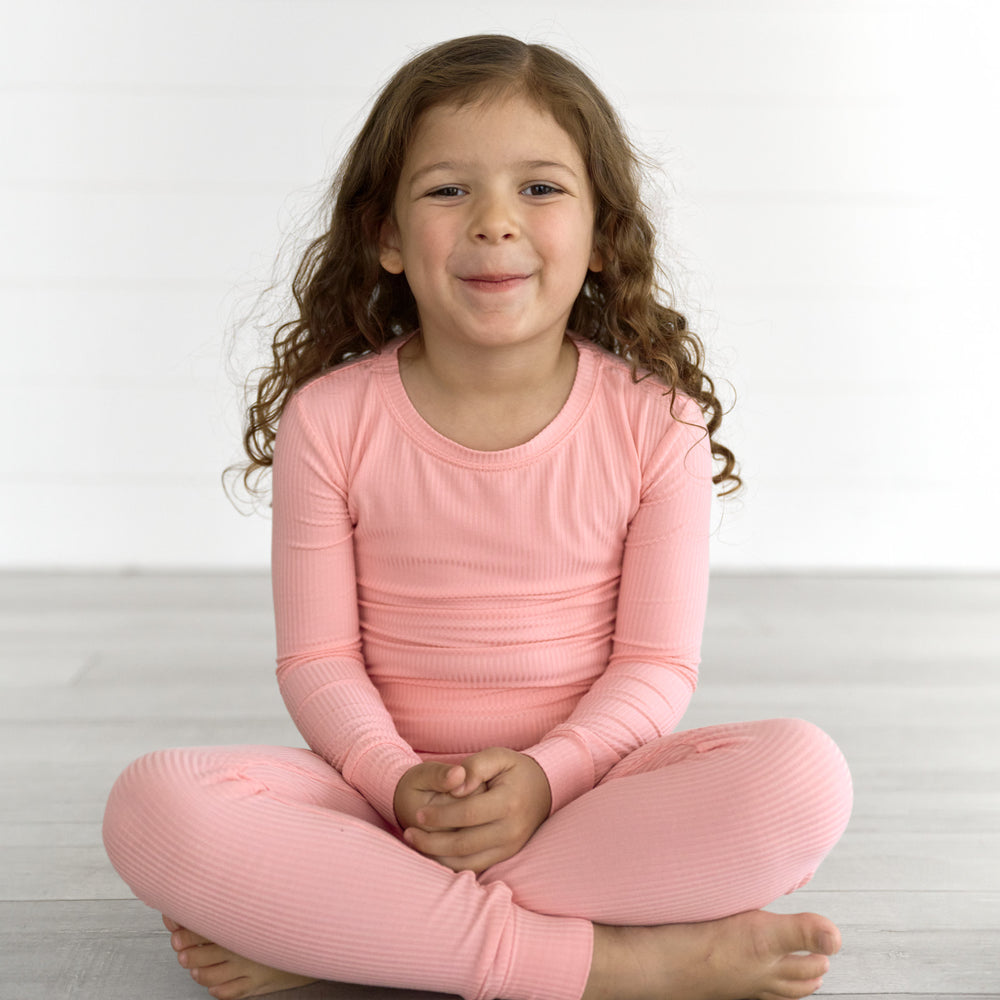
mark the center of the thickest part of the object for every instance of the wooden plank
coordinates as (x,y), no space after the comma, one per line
(59,873)
(116,950)
(929,944)
(908,942)
(912,861)
(26,667)
(139,695)
(120,741)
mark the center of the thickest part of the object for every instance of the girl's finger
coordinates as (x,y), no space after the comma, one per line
(469,786)
(484,766)
(446,777)
(477,863)
(455,814)
(455,843)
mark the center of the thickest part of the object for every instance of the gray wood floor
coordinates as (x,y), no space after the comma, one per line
(903,672)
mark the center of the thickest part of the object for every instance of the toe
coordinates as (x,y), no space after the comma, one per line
(793,968)
(183,938)
(234,989)
(792,989)
(797,991)
(171,925)
(806,932)
(215,976)
(203,955)
(823,937)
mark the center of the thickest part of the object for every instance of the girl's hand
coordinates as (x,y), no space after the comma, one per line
(503,797)
(423,785)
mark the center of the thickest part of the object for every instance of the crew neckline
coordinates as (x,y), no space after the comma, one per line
(433,441)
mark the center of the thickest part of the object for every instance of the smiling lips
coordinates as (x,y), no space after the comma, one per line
(494,282)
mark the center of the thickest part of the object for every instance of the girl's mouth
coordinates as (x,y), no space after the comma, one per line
(495,282)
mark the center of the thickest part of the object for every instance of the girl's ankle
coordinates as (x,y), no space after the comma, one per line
(603,981)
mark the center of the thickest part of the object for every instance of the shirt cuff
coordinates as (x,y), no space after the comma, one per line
(376,774)
(567,764)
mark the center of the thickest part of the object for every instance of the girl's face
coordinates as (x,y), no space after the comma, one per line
(493,224)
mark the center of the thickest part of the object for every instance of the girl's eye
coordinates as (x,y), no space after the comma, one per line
(448,191)
(541,190)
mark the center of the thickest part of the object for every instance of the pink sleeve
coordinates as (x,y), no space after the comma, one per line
(321,672)
(653,668)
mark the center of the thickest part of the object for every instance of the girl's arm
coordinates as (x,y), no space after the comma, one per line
(321,672)
(653,668)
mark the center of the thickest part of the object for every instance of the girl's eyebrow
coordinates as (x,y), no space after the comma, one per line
(430,168)
(522,165)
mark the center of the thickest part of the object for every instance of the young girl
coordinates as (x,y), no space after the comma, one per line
(491,489)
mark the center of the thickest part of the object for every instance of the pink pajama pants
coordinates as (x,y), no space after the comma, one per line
(268,852)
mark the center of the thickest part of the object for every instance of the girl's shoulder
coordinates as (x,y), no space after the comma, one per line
(333,408)
(342,393)
(664,428)
(348,376)
(642,395)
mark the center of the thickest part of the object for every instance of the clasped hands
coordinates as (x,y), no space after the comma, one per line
(472,815)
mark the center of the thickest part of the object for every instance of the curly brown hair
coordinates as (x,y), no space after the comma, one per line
(349,305)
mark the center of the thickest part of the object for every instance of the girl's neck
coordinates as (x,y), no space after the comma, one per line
(488,400)
(478,374)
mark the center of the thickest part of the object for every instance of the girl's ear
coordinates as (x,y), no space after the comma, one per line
(389,254)
(596,260)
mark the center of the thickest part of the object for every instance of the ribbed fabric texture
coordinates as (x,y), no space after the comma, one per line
(271,853)
(432,600)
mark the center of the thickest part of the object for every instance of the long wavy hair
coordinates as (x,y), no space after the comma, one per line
(348,305)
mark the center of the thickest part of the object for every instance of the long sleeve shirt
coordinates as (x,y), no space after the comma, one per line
(432,600)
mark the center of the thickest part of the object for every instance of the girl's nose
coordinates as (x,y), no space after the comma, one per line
(494,221)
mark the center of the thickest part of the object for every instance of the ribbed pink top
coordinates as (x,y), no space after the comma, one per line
(432,600)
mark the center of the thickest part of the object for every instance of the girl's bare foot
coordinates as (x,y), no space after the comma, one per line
(753,954)
(225,975)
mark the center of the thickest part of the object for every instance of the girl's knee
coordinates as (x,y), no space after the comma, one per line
(184,799)
(817,754)
(151,793)
(174,787)
(816,776)
(803,783)
(168,812)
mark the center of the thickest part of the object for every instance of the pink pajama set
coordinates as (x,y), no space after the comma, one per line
(432,601)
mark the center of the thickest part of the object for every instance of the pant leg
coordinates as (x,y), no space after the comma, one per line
(270,853)
(695,826)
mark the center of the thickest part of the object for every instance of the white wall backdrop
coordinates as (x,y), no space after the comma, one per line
(830,190)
